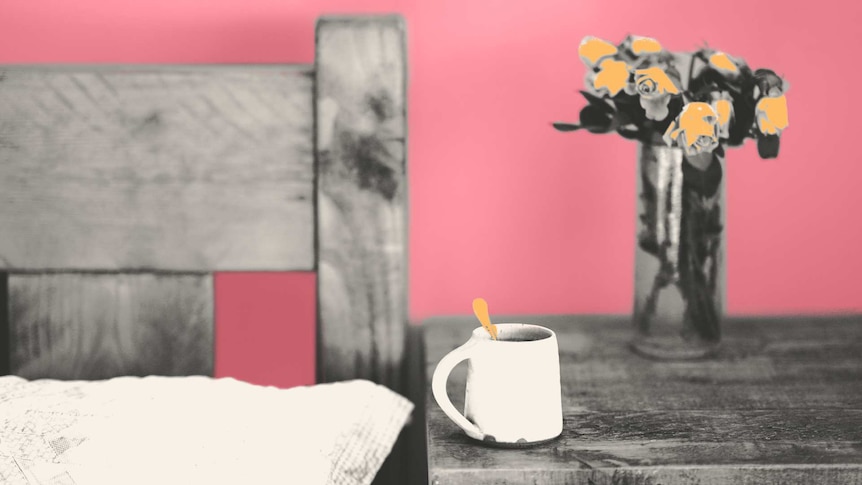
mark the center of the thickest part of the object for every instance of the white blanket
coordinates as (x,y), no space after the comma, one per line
(189,430)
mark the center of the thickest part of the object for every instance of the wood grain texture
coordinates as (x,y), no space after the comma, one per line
(5,343)
(362,194)
(782,403)
(89,326)
(163,167)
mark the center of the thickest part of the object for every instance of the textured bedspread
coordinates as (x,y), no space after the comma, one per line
(187,430)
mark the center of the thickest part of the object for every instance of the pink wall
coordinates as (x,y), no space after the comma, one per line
(503,206)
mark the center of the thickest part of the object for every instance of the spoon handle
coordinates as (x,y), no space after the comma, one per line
(480,308)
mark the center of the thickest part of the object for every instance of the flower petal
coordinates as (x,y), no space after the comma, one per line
(664,84)
(695,129)
(771,115)
(613,76)
(722,63)
(724,109)
(645,45)
(593,49)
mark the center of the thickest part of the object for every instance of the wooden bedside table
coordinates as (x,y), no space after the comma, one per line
(782,403)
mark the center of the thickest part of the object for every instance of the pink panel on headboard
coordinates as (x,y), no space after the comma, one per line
(265,328)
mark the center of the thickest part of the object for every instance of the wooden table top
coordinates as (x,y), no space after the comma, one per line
(781,403)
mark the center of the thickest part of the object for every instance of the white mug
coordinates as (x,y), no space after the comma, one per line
(513,385)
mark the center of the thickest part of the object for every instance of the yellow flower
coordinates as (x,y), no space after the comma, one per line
(654,88)
(771,115)
(645,45)
(613,75)
(592,50)
(723,107)
(695,129)
(722,63)
(653,82)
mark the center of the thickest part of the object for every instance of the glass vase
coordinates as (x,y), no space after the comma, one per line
(679,260)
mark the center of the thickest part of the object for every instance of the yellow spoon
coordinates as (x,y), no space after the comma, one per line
(480,308)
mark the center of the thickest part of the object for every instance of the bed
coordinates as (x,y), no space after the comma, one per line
(125,188)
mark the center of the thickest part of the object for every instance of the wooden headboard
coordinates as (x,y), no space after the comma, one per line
(123,188)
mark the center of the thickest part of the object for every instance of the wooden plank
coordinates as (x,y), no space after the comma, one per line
(757,369)
(672,439)
(362,193)
(417,458)
(743,474)
(173,167)
(783,396)
(4,325)
(96,326)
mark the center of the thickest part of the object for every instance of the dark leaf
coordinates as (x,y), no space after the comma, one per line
(767,146)
(629,109)
(598,129)
(743,113)
(699,246)
(597,101)
(674,107)
(596,120)
(565,127)
(628,134)
(623,118)
(740,127)
(650,246)
(703,183)
(702,93)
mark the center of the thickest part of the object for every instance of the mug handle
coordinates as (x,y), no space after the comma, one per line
(438,387)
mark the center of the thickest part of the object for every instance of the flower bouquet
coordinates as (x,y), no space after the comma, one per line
(684,109)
